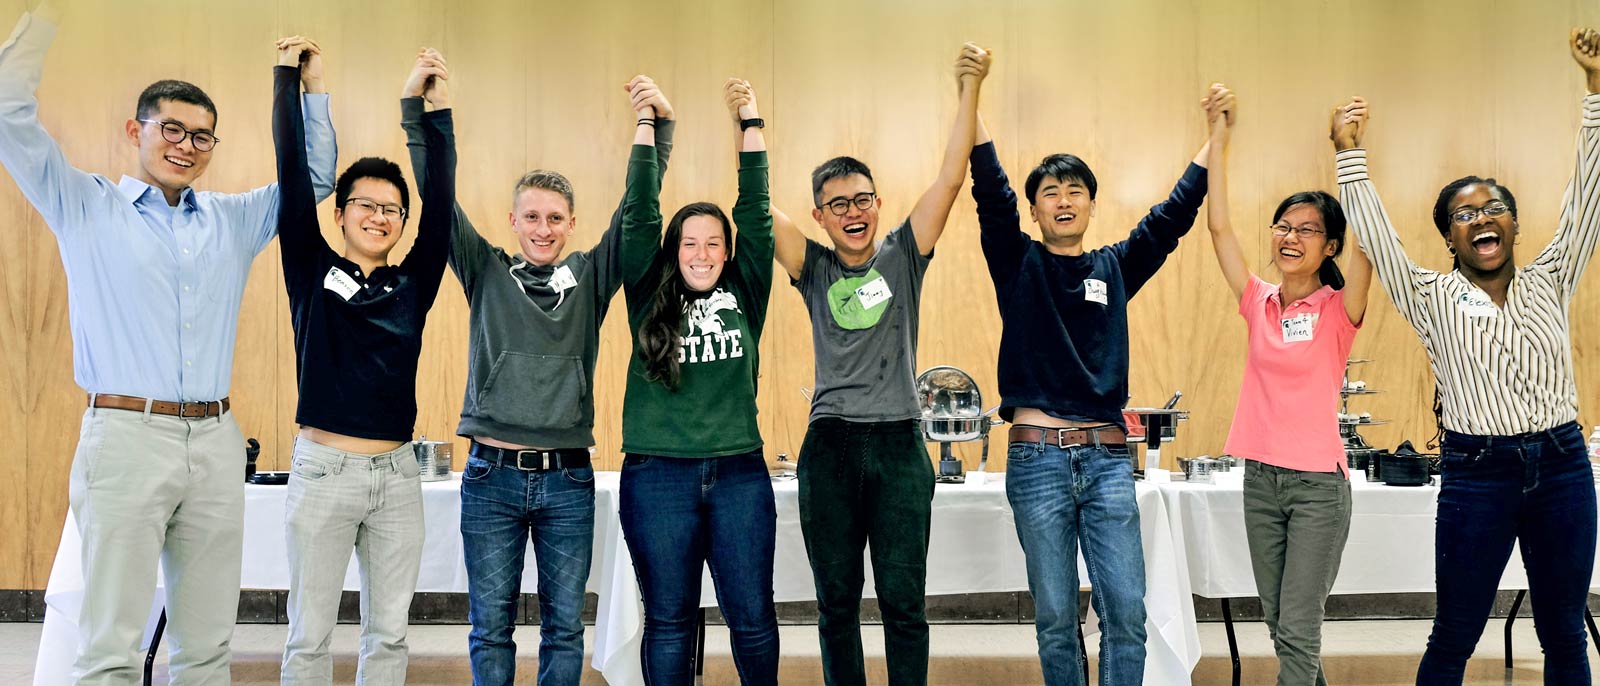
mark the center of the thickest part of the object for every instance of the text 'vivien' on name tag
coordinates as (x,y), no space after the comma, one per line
(873,292)
(340,283)
(1299,327)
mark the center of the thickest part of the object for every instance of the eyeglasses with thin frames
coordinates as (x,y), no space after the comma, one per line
(390,212)
(1468,215)
(1303,232)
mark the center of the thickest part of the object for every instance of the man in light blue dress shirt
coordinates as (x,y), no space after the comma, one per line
(155,274)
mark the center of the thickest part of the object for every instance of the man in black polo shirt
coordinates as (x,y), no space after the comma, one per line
(358,334)
(1063,381)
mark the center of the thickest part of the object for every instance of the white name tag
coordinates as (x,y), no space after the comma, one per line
(1299,327)
(563,279)
(341,283)
(873,292)
(1094,290)
(1476,305)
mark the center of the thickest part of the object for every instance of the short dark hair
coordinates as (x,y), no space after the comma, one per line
(172,89)
(1333,228)
(836,168)
(1063,167)
(371,168)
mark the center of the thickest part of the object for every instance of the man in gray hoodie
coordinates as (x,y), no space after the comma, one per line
(529,407)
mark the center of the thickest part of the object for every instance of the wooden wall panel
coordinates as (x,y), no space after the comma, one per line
(1474,86)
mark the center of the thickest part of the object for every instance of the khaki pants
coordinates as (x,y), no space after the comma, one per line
(1296,524)
(147,488)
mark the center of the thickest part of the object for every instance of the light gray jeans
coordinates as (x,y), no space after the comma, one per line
(373,503)
(1296,524)
(146,488)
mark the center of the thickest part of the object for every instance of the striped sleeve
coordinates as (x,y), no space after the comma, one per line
(1402,279)
(1569,252)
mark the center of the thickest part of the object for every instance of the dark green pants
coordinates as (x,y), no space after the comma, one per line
(861,482)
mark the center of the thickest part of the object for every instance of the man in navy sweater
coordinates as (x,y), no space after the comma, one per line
(1063,370)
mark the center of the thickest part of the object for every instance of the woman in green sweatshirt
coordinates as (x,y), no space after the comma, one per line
(694,484)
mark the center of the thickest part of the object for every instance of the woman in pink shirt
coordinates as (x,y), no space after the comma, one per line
(1286,427)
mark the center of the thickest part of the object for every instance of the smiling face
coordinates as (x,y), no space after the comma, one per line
(702,252)
(542,220)
(853,232)
(1483,243)
(1062,209)
(170,166)
(1295,254)
(369,232)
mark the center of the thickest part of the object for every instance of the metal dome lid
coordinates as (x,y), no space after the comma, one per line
(948,392)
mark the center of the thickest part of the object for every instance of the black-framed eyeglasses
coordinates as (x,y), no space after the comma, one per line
(1470,214)
(841,206)
(175,133)
(390,212)
(1304,232)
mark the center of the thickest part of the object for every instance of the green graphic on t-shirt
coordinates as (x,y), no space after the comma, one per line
(858,302)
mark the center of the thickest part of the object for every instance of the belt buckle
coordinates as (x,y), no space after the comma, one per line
(194,409)
(540,465)
(1061,438)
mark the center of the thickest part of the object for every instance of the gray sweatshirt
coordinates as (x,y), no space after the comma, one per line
(534,339)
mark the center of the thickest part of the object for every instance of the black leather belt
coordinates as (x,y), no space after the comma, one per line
(1102,436)
(532,460)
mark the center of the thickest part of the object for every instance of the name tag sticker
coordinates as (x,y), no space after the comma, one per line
(340,283)
(1476,305)
(873,292)
(563,279)
(1299,327)
(1094,290)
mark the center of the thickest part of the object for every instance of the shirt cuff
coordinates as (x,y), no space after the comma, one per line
(1350,165)
(1591,109)
(315,106)
(411,109)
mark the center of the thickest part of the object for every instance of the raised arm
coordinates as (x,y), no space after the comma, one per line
(1221,113)
(57,190)
(608,253)
(999,223)
(933,209)
(753,245)
(1368,219)
(428,254)
(299,234)
(1578,231)
(789,244)
(641,201)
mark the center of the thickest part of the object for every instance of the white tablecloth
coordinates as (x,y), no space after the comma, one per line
(1390,549)
(973,549)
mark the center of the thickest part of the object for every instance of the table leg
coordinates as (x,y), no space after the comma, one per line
(1083,654)
(1233,644)
(700,650)
(155,644)
(1589,617)
(1516,604)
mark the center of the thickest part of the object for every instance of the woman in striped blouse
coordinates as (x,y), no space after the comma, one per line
(1498,339)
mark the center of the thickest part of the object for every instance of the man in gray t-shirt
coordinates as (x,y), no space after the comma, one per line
(864,469)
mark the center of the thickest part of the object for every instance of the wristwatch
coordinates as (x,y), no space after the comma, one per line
(757,122)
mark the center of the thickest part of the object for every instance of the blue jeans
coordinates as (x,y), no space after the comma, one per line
(1059,495)
(678,515)
(1496,490)
(500,508)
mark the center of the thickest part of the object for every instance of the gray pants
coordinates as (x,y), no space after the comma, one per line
(147,487)
(1296,524)
(340,501)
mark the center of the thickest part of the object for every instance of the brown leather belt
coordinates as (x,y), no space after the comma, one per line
(1104,436)
(195,410)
